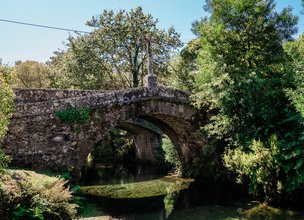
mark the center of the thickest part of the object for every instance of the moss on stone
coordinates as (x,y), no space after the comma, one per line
(262,210)
(143,189)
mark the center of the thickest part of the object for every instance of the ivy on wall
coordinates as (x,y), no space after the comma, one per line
(74,116)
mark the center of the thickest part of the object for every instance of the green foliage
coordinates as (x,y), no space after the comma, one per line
(295,50)
(4,160)
(6,97)
(171,154)
(291,161)
(274,168)
(113,55)
(74,116)
(6,108)
(292,157)
(115,146)
(244,69)
(183,68)
(207,164)
(260,165)
(243,78)
(31,74)
(27,195)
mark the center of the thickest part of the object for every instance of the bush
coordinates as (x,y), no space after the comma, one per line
(28,195)
(260,165)
(4,160)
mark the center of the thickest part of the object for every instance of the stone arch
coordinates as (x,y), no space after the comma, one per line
(174,119)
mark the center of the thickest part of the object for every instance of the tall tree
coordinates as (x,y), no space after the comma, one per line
(32,74)
(244,72)
(116,49)
(244,69)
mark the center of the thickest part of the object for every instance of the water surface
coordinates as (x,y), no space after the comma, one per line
(144,193)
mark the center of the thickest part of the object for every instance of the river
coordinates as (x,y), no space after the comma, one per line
(143,193)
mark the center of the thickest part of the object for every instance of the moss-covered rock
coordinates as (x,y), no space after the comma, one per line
(264,211)
(143,189)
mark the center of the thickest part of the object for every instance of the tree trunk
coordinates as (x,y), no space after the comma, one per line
(135,78)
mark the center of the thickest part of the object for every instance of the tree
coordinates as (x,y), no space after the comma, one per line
(244,69)
(6,107)
(32,74)
(6,97)
(182,68)
(115,51)
(244,73)
(296,50)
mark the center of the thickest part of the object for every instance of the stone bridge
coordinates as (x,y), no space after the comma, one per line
(37,138)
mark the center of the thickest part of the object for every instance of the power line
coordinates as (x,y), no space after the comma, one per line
(43,26)
(51,27)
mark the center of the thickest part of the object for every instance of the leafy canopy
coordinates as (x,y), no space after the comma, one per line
(243,78)
(32,74)
(244,69)
(114,54)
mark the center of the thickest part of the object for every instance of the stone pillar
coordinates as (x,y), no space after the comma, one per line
(150,81)
(147,145)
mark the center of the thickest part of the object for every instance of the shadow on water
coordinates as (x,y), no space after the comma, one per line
(201,200)
(101,174)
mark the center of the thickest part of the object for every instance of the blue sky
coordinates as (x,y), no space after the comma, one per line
(30,43)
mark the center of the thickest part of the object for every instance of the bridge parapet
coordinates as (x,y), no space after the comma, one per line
(93,99)
(41,95)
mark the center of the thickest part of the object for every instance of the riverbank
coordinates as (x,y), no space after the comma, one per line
(29,195)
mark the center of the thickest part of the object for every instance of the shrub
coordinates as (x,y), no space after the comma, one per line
(4,160)
(28,195)
(260,165)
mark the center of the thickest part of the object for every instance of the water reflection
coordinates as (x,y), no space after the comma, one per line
(169,201)
(201,200)
(101,174)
